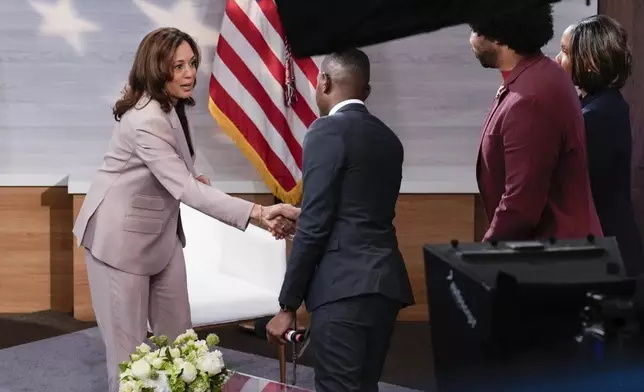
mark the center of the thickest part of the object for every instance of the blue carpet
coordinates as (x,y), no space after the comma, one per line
(75,363)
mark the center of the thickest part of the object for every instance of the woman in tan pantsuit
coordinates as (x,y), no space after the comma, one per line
(129,223)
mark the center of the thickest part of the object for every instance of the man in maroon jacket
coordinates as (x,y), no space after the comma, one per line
(532,171)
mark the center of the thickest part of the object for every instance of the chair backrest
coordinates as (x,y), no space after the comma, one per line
(212,247)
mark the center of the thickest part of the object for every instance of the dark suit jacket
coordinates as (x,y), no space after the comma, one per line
(346,244)
(532,170)
(608,138)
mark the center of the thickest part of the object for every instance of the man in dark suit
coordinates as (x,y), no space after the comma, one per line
(532,170)
(345,261)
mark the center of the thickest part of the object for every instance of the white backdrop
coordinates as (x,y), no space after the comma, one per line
(63,62)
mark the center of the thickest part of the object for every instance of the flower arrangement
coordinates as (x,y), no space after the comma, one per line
(186,365)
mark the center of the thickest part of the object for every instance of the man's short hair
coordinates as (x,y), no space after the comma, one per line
(525,30)
(353,61)
(600,54)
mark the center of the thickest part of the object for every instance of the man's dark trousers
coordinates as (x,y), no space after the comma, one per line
(350,339)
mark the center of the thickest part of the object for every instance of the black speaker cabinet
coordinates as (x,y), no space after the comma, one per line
(505,315)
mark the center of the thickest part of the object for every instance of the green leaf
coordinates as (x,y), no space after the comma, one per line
(167,366)
(163,341)
(212,340)
(159,341)
(123,366)
(200,385)
(177,384)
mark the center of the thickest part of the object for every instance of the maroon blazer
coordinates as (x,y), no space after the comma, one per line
(532,168)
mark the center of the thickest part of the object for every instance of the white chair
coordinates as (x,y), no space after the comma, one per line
(233,275)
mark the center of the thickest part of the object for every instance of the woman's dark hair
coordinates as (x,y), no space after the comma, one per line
(601,57)
(152,69)
(525,30)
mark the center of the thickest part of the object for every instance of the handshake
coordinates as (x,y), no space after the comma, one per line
(279,219)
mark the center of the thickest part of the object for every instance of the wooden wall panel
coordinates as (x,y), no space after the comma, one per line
(82,301)
(42,268)
(35,249)
(481,223)
(426,219)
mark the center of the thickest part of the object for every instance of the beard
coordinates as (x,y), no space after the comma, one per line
(487,58)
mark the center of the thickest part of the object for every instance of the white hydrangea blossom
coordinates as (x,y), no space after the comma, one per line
(187,364)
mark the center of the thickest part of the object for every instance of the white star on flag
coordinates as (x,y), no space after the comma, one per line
(62,20)
(183,16)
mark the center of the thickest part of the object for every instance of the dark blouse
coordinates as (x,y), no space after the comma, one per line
(609,143)
(181,113)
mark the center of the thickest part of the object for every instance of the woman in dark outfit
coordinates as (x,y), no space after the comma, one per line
(596,54)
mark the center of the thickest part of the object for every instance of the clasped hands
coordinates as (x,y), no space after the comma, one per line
(279,219)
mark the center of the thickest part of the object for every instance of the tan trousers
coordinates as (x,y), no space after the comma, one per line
(124,302)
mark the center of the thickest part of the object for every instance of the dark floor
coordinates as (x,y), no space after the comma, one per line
(408,362)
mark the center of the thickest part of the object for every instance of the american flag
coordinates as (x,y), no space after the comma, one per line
(262,97)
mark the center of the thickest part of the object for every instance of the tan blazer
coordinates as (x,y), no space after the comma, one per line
(130,216)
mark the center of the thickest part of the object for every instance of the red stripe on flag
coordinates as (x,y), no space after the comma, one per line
(307,65)
(251,133)
(245,76)
(254,37)
(270,12)
(305,113)
(310,69)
